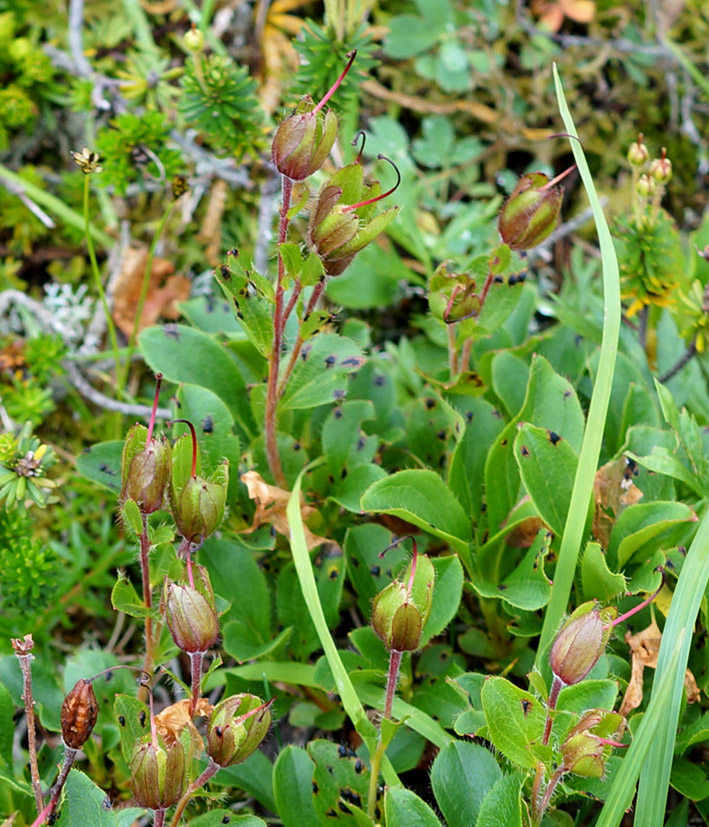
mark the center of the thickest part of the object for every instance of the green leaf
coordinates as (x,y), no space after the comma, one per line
(551,403)
(237,577)
(253,310)
(183,354)
(510,376)
(84,803)
(547,465)
(254,776)
(343,442)
(503,804)
(409,36)
(211,314)
(461,776)
(293,787)
(124,598)
(447,591)
(7,712)
(241,642)
(467,464)
(641,524)
(218,818)
(598,581)
(348,491)
(48,696)
(133,718)
(527,586)
(101,463)
(689,779)
(515,720)
(405,809)
(320,375)
(340,783)
(662,461)
(422,498)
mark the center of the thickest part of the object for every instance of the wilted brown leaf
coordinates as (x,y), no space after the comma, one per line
(165,289)
(271,503)
(551,14)
(173,719)
(645,648)
(613,491)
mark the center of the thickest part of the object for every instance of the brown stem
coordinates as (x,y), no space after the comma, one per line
(210,770)
(537,793)
(553,783)
(23,649)
(465,355)
(148,600)
(680,363)
(159,818)
(291,304)
(196,664)
(486,290)
(274,460)
(317,292)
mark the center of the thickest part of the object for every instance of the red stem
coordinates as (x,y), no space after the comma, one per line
(351,55)
(640,606)
(393,677)
(317,292)
(382,195)
(194,442)
(486,290)
(556,687)
(274,461)
(153,413)
(361,134)
(559,177)
(196,673)
(147,597)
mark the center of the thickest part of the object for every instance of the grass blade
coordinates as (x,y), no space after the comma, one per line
(655,777)
(595,422)
(623,786)
(350,699)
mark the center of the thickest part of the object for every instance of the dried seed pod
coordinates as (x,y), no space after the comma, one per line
(79,714)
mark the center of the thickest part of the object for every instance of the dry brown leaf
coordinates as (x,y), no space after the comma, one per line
(645,648)
(551,14)
(613,490)
(271,503)
(525,533)
(173,719)
(165,289)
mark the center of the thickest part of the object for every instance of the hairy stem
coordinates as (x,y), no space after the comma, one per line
(452,352)
(556,687)
(159,818)
(147,599)
(196,664)
(317,292)
(23,650)
(99,284)
(211,770)
(274,460)
(392,678)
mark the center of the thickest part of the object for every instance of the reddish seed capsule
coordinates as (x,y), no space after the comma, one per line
(79,714)
(530,213)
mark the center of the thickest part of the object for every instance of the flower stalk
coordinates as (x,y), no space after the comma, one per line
(23,650)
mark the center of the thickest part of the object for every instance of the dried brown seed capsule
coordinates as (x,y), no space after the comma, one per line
(79,714)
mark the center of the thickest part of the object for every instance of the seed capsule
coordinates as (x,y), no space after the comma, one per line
(191,613)
(580,643)
(530,213)
(400,611)
(236,727)
(79,714)
(157,774)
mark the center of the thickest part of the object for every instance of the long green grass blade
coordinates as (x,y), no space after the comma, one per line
(591,446)
(350,700)
(623,786)
(692,583)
